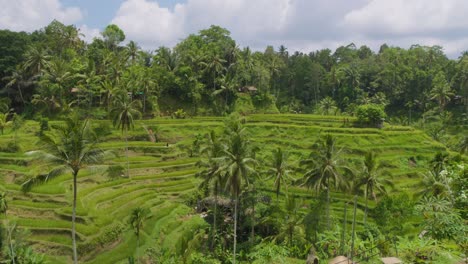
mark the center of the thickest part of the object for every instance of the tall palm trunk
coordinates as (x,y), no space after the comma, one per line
(328,204)
(138,247)
(75,255)
(235,228)
(365,212)
(126,152)
(213,232)
(253,217)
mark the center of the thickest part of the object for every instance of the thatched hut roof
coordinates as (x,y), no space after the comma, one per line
(391,260)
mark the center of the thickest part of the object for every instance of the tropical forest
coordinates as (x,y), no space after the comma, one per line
(212,152)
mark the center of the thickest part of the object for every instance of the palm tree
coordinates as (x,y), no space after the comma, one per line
(279,170)
(137,219)
(371,178)
(441,90)
(211,175)
(327,105)
(4,121)
(236,163)
(19,80)
(123,113)
(132,51)
(216,66)
(3,203)
(69,148)
(57,73)
(292,222)
(323,168)
(435,184)
(36,59)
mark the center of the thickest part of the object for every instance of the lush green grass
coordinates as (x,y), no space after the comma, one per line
(162,172)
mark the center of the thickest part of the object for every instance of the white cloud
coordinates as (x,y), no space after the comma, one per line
(149,24)
(403,17)
(89,33)
(29,15)
(152,25)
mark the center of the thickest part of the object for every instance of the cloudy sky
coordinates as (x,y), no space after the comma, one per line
(304,25)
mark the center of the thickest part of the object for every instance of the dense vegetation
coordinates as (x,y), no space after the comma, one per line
(225,165)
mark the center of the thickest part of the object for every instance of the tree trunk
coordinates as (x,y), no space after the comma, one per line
(365,212)
(75,255)
(328,206)
(21,96)
(126,152)
(138,247)
(213,233)
(235,229)
(253,217)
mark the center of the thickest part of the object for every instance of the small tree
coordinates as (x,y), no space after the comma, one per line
(4,122)
(370,114)
(123,113)
(68,148)
(3,203)
(137,219)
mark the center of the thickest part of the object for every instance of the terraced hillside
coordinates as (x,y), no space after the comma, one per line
(162,174)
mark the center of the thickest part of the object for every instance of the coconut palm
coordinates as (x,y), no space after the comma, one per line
(371,178)
(441,90)
(137,219)
(291,223)
(131,50)
(124,113)
(3,203)
(19,80)
(324,169)
(327,106)
(236,163)
(435,184)
(68,148)
(216,66)
(212,177)
(4,122)
(36,59)
(279,170)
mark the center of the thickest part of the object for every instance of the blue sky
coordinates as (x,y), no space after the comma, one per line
(300,25)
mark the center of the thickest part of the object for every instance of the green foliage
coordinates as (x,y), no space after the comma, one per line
(115,171)
(268,253)
(179,114)
(370,114)
(421,251)
(393,212)
(43,125)
(109,235)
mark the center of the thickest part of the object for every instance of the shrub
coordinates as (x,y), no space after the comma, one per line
(11,147)
(370,114)
(115,171)
(43,125)
(180,114)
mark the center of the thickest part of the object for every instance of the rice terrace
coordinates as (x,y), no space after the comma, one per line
(211,152)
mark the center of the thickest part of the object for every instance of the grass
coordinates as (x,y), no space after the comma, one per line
(161,173)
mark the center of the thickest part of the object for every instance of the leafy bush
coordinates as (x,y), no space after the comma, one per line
(180,114)
(268,253)
(115,171)
(11,147)
(370,114)
(43,125)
